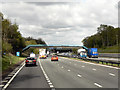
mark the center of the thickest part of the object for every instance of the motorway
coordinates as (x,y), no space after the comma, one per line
(66,73)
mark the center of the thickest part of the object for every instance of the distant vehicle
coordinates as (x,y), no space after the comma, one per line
(82,53)
(42,54)
(54,58)
(30,61)
(92,52)
(74,56)
(32,55)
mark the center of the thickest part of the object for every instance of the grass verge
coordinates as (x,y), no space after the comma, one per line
(110,49)
(9,61)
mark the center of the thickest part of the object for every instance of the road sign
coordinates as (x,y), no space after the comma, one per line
(17,53)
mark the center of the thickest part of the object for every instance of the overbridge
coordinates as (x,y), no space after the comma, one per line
(53,46)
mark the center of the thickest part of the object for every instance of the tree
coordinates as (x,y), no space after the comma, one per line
(105,36)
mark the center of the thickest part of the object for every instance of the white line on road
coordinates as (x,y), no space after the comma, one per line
(13,77)
(62,67)
(10,75)
(111,74)
(95,64)
(74,64)
(51,86)
(79,75)
(94,69)
(83,66)
(69,62)
(68,70)
(47,78)
(98,85)
(7,78)
(50,83)
(4,81)
(1,85)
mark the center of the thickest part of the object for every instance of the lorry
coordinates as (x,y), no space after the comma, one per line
(82,53)
(92,53)
(42,54)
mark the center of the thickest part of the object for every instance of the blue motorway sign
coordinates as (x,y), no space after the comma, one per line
(17,53)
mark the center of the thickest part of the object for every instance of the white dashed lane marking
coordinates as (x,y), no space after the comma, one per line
(79,75)
(62,67)
(94,69)
(47,78)
(111,74)
(68,70)
(98,85)
(50,83)
(51,86)
(83,66)
(95,64)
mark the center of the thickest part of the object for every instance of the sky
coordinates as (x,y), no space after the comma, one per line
(62,21)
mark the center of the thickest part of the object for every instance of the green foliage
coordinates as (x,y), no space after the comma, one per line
(8,61)
(31,42)
(36,51)
(38,41)
(74,51)
(6,47)
(106,36)
(12,38)
(110,49)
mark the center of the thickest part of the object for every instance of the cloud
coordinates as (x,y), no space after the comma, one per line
(61,22)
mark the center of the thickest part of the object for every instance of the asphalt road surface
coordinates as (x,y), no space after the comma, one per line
(29,77)
(66,73)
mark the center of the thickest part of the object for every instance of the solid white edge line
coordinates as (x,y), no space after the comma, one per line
(13,77)
(94,64)
(47,78)
(98,85)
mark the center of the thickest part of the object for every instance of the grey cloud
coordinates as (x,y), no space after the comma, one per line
(63,23)
(47,3)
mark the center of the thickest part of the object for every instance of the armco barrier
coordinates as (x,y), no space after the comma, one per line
(107,62)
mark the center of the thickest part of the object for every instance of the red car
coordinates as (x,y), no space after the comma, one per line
(30,61)
(54,58)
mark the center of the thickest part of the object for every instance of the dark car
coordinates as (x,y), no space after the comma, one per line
(30,61)
(54,58)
